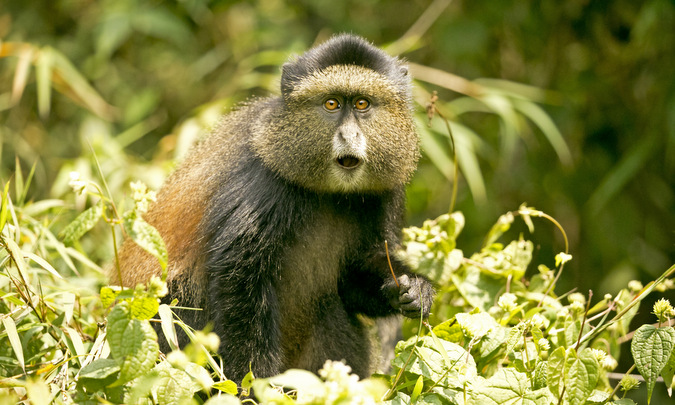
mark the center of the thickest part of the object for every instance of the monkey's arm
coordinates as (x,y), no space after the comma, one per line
(369,288)
(248,225)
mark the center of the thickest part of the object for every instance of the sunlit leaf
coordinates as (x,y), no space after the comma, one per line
(651,348)
(14,340)
(133,343)
(82,224)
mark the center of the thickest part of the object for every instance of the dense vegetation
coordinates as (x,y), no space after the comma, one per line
(117,91)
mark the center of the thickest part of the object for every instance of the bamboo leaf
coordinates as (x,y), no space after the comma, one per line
(43,263)
(166,316)
(4,207)
(43,76)
(21,73)
(82,90)
(14,340)
(542,120)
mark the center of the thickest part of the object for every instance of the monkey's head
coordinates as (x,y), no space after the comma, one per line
(344,120)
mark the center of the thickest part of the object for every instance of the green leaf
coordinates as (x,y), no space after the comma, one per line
(502,225)
(247,381)
(223,400)
(540,375)
(14,340)
(98,374)
(555,371)
(144,307)
(571,331)
(4,208)
(108,296)
(508,386)
(427,361)
(476,325)
(174,387)
(133,343)
(581,375)
(146,236)
(82,224)
(166,317)
(417,390)
(227,386)
(668,372)
(547,126)
(43,77)
(450,331)
(651,348)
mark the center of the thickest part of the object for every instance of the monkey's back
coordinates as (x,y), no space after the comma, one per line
(180,207)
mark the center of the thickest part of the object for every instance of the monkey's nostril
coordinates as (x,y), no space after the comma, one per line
(348,162)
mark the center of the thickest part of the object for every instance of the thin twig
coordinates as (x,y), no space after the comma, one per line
(386,249)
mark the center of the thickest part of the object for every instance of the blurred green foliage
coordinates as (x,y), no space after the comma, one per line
(136,81)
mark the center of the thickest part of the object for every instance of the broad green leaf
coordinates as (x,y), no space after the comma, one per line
(200,376)
(38,391)
(651,348)
(479,289)
(507,387)
(581,375)
(98,374)
(147,237)
(668,372)
(450,331)
(598,397)
(82,224)
(428,362)
(571,331)
(108,296)
(555,371)
(133,343)
(227,386)
(491,345)
(623,401)
(14,340)
(174,387)
(540,375)
(144,307)
(223,400)
(300,380)
(475,326)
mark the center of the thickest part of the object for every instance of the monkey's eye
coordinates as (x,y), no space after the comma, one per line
(362,104)
(331,104)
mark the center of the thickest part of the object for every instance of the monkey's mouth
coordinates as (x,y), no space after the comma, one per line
(348,162)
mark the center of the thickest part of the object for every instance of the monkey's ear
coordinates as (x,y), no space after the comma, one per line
(403,69)
(289,76)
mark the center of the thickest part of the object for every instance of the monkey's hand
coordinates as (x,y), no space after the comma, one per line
(412,297)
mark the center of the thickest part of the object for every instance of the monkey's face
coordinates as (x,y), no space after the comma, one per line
(345,128)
